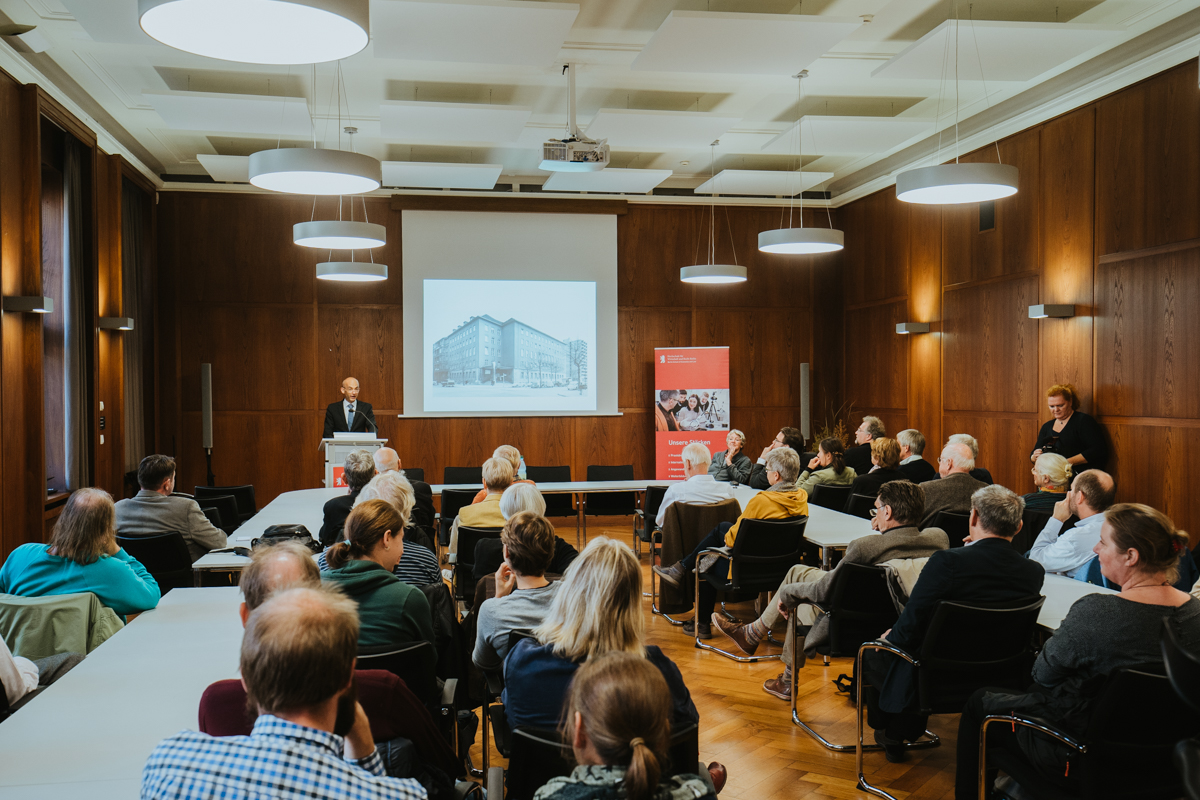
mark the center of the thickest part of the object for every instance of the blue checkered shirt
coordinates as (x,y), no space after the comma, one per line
(279,760)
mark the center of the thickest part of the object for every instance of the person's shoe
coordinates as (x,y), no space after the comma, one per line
(718,775)
(689,628)
(674,574)
(892,748)
(735,632)
(779,686)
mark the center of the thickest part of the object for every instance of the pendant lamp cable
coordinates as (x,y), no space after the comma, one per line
(987,100)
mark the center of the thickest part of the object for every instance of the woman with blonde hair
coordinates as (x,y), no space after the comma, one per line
(1052,477)
(596,610)
(1074,435)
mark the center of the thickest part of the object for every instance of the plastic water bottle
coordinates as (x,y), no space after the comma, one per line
(521,469)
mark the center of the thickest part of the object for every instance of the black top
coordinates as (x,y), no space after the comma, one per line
(919,471)
(859,457)
(982,475)
(335,419)
(869,484)
(1043,501)
(336,511)
(1082,435)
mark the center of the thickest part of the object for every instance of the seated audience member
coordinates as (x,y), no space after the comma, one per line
(1052,477)
(782,501)
(498,475)
(297,663)
(390,612)
(1139,551)
(978,473)
(619,726)
(664,411)
(83,556)
(418,565)
(858,457)
(489,553)
(358,470)
(899,505)
(912,462)
(513,456)
(828,467)
(787,437)
(523,594)
(988,573)
(597,609)
(1068,553)
(731,464)
(21,678)
(698,486)
(953,491)
(1071,433)
(388,460)
(153,510)
(885,456)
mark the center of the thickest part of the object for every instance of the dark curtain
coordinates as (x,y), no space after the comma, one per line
(75,318)
(135,218)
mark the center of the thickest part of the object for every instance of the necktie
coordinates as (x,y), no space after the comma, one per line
(350,417)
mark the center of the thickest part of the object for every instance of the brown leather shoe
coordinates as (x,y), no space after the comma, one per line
(779,687)
(674,574)
(689,628)
(735,632)
(718,774)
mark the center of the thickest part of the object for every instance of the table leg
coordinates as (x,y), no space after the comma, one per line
(196,578)
(579,521)
(826,558)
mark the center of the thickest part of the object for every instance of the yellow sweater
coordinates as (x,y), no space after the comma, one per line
(485,514)
(771,505)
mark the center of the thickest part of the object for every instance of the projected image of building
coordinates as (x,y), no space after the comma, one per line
(484,350)
(577,360)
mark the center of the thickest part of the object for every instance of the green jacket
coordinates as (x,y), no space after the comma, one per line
(389,612)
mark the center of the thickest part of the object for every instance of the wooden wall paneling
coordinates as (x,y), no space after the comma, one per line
(925,305)
(639,331)
(168,334)
(653,242)
(876,255)
(547,441)
(876,358)
(854,255)
(761,425)
(828,342)
(365,342)
(628,439)
(1157,465)
(341,292)
(766,348)
(275,451)
(1004,444)
(419,441)
(108,453)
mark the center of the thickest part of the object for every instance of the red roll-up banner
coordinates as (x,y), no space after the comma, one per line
(691,404)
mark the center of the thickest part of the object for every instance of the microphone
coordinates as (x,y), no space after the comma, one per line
(366,419)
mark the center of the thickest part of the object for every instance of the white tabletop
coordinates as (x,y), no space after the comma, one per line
(563,487)
(304,507)
(1061,593)
(139,687)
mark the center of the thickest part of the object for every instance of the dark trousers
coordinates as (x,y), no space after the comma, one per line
(906,725)
(708,595)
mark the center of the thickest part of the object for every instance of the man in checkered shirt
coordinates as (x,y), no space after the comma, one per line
(297,665)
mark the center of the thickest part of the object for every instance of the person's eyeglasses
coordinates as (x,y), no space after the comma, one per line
(875,511)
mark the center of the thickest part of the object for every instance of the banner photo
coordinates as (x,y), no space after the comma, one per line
(691,404)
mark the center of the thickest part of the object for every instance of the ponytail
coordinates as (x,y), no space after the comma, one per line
(337,555)
(365,527)
(643,773)
(837,450)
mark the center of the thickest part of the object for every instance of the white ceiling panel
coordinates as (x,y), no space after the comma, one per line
(452,122)
(769,183)
(849,135)
(741,44)
(232,113)
(227,169)
(628,181)
(431,175)
(472,31)
(1007,51)
(113,21)
(667,130)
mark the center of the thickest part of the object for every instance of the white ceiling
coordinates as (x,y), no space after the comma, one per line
(479,83)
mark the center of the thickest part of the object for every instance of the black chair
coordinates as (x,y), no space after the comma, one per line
(956,526)
(493,712)
(1183,670)
(1032,522)
(227,509)
(645,529)
(860,505)
(243,495)
(1125,752)
(827,495)
(765,549)
(608,504)
(416,665)
(214,516)
(463,475)
(965,648)
(557,505)
(464,567)
(452,501)
(414,473)
(165,556)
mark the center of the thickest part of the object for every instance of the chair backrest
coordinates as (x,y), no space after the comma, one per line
(765,549)
(464,573)
(1032,522)
(213,516)
(165,556)
(414,473)
(226,507)
(453,500)
(968,647)
(463,475)
(956,526)
(415,664)
(610,504)
(860,609)
(831,496)
(557,505)
(859,505)
(244,495)
(1183,668)
(653,501)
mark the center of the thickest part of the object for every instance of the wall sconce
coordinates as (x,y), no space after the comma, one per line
(116,323)
(1043,311)
(30,305)
(912,327)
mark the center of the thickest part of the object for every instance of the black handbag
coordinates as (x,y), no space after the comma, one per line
(275,534)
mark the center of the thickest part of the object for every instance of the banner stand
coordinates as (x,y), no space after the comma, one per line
(690,403)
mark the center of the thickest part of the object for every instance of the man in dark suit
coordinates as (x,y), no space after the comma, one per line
(912,462)
(388,460)
(787,437)
(859,456)
(988,572)
(359,469)
(953,491)
(350,415)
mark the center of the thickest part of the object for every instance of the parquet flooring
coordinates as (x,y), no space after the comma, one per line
(752,734)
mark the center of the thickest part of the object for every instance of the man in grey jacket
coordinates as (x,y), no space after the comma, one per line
(953,490)
(898,507)
(154,511)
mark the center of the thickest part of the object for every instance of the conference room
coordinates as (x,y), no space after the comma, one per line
(388,384)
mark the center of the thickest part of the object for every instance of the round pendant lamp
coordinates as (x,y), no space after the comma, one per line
(713,273)
(336,234)
(351,271)
(260,31)
(948,184)
(302,170)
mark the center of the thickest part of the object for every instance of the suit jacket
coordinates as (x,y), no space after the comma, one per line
(859,457)
(149,513)
(335,419)
(336,511)
(422,513)
(919,471)
(951,493)
(869,484)
(981,474)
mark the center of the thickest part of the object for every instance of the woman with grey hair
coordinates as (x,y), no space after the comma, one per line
(731,464)
(489,553)
(1052,476)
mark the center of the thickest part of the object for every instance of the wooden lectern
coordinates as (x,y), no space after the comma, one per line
(338,448)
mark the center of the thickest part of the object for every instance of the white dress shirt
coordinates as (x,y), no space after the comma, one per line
(1070,552)
(696,489)
(909,460)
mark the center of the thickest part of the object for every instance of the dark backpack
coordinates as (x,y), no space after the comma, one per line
(282,533)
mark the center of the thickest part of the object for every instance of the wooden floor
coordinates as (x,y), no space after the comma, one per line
(752,734)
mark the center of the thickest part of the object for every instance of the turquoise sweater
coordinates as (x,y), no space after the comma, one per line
(120,581)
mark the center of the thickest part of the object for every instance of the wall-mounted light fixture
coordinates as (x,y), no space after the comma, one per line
(116,323)
(1046,310)
(912,327)
(29,305)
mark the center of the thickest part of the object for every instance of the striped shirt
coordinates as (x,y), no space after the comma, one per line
(418,566)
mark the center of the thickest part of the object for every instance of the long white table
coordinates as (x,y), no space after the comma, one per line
(1061,593)
(304,507)
(89,734)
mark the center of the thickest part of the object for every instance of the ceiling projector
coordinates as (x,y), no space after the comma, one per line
(576,154)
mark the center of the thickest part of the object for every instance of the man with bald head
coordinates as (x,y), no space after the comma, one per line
(274,567)
(350,415)
(953,490)
(388,460)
